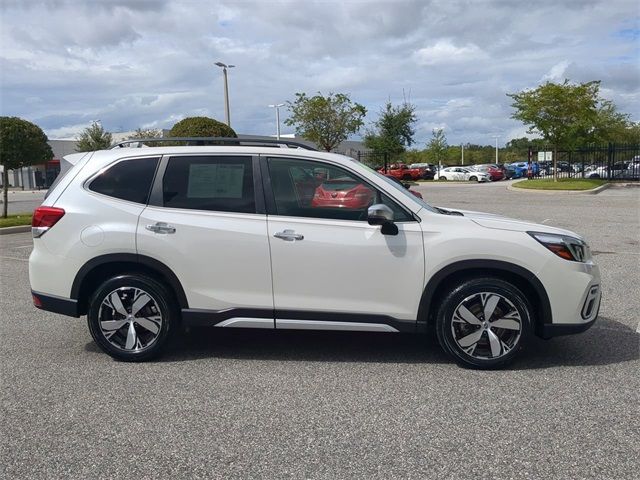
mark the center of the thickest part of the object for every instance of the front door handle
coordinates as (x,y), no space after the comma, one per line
(288,235)
(161,227)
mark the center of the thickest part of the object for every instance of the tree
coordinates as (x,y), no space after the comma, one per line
(437,146)
(201,127)
(325,121)
(147,133)
(567,114)
(93,138)
(21,144)
(393,131)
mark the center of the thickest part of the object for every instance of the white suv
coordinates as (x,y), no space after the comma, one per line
(144,239)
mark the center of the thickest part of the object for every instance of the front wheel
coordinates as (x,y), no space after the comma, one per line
(473,179)
(131,316)
(442,179)
(483,323)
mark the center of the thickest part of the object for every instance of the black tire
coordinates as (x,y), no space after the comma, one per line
(451,328)
(147,343)
(443,179)
(473,179)
(407,177)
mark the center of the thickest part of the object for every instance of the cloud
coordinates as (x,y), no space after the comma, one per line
(150,63)
(445,52)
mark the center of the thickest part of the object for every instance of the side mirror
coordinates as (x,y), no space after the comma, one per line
(380,214)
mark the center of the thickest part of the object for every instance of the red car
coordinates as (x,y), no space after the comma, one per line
(494,172)
(342,193)
(403,172)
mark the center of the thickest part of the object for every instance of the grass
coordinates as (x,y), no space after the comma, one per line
(562,184)
(15,220)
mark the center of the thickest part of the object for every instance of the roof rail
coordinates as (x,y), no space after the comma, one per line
(215,140)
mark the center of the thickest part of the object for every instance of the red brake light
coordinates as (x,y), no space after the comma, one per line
(44,218)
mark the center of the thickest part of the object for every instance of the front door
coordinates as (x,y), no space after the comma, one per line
(331,269)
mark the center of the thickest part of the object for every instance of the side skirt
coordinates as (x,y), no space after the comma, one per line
(295,319)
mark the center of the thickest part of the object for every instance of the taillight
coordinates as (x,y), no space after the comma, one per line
(43,219)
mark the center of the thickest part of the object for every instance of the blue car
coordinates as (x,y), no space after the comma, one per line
(520,169)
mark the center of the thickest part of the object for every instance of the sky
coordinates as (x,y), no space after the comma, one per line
(150,63)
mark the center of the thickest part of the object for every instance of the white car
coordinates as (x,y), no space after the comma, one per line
(462,174)
(142,241)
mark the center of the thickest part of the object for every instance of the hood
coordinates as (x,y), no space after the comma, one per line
(498,222)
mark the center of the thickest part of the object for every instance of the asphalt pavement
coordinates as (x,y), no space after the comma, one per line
(286,404)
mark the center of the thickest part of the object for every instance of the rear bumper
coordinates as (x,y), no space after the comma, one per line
(51,303)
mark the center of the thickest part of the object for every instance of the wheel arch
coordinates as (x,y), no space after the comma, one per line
(519,276)
(92,273)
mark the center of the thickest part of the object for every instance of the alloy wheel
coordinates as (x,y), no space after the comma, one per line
(486,325)
(130,319)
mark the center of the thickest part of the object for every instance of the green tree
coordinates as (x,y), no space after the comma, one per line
(394,130)
(147,133)
(92,138)
(201,127)
(437,146)
(326,121)
(566,114)
(21,144)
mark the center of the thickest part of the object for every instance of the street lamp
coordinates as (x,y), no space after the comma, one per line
(225,67)
(496,137)
(277,107)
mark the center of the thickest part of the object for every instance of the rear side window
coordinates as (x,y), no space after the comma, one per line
(127,180)
(222,184)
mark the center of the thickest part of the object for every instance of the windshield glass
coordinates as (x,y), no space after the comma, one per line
(400,188)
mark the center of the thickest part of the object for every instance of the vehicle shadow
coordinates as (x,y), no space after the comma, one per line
(607,342)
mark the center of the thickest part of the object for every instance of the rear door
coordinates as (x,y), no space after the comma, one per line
(331,269)
(206,222)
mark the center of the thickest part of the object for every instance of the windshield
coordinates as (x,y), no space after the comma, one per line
(400,188)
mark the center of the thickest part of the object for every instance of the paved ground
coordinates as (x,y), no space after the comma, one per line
(241,404)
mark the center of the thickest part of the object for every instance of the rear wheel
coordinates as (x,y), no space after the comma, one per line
(483,323)
(131,316)
(407,177)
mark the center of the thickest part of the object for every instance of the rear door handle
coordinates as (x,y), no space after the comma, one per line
(161,227)
(288,235)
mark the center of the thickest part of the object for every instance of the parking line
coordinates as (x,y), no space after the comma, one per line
(18,259)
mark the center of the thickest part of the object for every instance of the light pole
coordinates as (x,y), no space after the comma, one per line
(224,67)
(277,107)
(496,137)
(462,151)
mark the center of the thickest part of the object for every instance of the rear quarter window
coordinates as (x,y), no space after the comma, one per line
(129,180)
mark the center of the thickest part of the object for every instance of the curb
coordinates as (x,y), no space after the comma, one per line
(593,191)
(16,229)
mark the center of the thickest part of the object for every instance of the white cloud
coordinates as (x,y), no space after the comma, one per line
(445,52)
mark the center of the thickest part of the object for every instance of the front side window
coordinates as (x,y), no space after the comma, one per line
(127,180)
(303,188)
(223,184)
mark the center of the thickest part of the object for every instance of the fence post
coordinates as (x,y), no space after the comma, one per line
(529,166)
(610,155)
(386,162)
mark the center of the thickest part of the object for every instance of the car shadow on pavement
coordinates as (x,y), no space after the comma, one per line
(607,342)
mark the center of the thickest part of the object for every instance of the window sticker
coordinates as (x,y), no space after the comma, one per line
(215,180)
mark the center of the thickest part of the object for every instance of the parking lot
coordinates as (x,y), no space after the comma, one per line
(286,404)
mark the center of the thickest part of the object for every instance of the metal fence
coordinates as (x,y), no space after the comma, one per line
(608,162)
(379,160)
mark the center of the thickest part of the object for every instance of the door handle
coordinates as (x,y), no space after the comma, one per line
(161,227)
(288,235)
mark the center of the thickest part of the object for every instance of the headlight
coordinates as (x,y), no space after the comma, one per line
(569,248)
